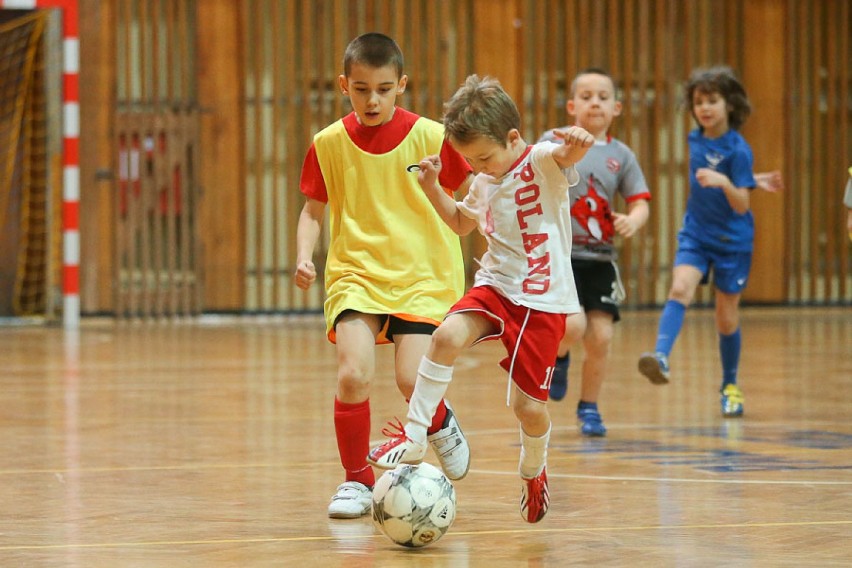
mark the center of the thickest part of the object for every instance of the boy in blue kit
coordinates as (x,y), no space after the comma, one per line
(607,169)
(718,227)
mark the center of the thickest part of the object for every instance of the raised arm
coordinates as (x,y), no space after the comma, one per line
(576,142)
(444,204)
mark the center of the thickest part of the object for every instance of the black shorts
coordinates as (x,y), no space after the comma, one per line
(598,286)
(392,325)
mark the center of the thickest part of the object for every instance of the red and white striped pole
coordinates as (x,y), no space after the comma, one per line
(70,149)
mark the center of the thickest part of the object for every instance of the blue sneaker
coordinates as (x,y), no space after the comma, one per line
(590,421)
(655,366)
(559,379)
(732,401)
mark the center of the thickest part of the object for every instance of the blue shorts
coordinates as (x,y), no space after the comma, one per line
(730,269)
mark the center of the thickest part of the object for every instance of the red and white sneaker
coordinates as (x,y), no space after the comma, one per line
(535,498)
(399,449)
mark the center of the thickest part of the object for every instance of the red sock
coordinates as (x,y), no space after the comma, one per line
(352,425)
(438,419)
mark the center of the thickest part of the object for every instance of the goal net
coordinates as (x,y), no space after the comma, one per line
(29,235)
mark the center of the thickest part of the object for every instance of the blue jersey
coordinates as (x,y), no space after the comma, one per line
(709,218)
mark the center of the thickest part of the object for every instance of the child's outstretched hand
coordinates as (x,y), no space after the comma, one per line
(575,136)
(576,142)
(430,167)
(771,182)
(306,273)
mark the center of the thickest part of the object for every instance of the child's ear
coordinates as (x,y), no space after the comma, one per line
(616,109)
(569,106)
(343,84)
(400,87)
(513,137)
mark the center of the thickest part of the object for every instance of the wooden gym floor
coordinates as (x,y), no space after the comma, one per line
(210,443)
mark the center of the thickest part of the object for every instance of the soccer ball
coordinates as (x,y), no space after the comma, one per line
(414,505)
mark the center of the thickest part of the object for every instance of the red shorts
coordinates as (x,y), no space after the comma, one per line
(531,337)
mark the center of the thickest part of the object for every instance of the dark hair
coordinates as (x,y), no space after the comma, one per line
(720,79)
(374,50)
(590,71)
(478,108)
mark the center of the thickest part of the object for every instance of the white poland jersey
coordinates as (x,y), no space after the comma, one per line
(526,220)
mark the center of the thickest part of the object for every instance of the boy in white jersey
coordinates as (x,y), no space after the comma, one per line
(524,287)
(383,282)
(608,169)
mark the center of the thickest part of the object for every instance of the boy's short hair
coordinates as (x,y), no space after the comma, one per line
(480,108)
(591,71)
(373,50)
(720,79)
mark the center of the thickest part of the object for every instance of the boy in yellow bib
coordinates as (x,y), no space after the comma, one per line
(393,269)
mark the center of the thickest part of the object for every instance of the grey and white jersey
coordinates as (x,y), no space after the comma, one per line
(609,167)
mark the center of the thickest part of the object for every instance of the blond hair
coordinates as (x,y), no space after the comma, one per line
(480,108)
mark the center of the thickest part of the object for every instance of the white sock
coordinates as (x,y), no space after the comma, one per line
(432,382)
(533,454)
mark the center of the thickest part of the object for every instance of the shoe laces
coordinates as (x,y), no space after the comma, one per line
(536,498)
(394,430)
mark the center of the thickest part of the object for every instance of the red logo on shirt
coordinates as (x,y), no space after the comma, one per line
(594,215)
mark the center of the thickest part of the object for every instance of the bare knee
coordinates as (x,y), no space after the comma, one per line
(532,414)
(682,292)
(353,381)
(727,314)
(599,337)
(447,343)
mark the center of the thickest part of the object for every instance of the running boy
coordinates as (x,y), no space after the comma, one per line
(609,168)
(718,227)
(524,287)
(383,282)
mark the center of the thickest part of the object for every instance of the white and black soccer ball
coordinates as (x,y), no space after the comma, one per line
(414,505)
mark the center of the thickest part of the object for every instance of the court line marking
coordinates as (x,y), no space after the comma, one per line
(59,473)
(552,475)
(449,535)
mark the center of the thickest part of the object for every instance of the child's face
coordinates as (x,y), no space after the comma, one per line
(711,112)
(373,92)
(594,105)
(488,157)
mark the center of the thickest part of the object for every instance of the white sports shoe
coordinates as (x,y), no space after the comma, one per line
(451,447)
(399,449)
(351,501)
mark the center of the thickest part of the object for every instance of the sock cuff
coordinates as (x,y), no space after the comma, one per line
(734,334)
(434,371)
(545,436)
(350,406)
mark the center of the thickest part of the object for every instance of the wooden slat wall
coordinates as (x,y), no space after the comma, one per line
(156,133)
(819,262)
(535,47)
